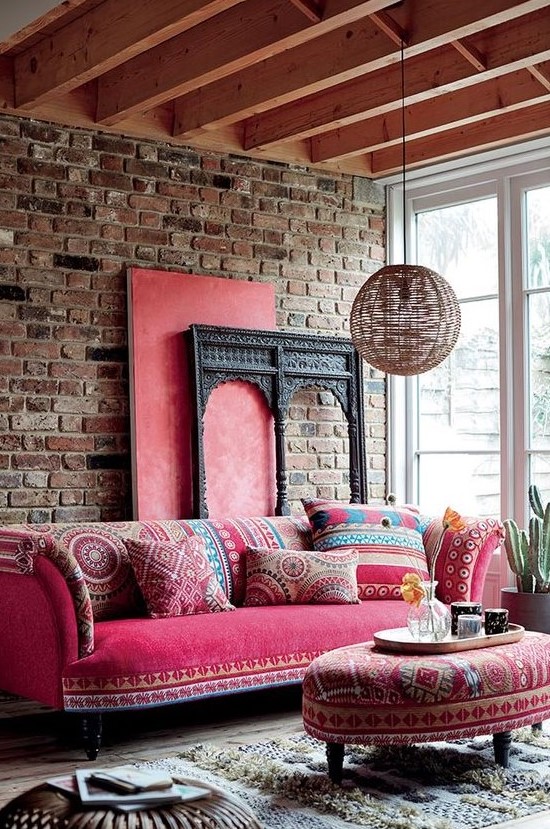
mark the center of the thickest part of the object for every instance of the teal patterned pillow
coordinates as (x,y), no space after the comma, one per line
(386,551)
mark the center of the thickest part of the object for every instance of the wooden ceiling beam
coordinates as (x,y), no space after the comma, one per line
(101,40)
(312,67)
(312,82)
(388,25)
(428,24)
(37,27)
(310,8)
(542,73)
(512,46)
(502,129)
(298,72)
(512,92)
(472,55)
(232,41)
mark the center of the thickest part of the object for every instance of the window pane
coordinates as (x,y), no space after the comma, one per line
(461,243)
(459,400)
(540,475)
(538,237)
(469,484)
(539,369)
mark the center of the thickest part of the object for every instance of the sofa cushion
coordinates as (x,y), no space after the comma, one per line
(386,550)
(106,569)
(268,646)
(176,578)
(300,577)
(116,594)
(227,540)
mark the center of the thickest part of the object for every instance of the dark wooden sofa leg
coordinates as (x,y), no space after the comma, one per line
(537,726)
(91,729)
(501,745)
(335,759)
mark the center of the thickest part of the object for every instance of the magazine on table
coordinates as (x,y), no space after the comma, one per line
(126,788)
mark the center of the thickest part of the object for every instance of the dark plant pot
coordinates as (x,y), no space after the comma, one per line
(532,610)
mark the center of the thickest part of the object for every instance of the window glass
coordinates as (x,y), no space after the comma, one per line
(539,369)
(475,431)
(538,237)
(540,474)
(537,268)
(460,243)
(469,483)
(459,400)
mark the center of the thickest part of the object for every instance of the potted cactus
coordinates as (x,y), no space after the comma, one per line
(529,558)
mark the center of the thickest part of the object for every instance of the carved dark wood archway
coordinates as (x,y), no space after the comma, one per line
(278,363)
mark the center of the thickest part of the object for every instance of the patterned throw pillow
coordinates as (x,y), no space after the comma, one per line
(106,568)
(386,551)
(176,578)
(300,577)
(463,555)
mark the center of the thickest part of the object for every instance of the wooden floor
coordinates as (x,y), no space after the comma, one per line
(36,743)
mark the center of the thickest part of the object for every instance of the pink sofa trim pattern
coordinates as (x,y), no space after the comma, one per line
(178,686)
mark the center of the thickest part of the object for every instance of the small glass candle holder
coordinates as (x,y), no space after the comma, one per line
(468,625)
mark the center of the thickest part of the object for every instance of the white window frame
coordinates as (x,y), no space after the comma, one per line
(507,178)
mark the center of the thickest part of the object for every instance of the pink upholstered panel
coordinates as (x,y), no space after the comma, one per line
(212,657)
(239,452)
(162,305)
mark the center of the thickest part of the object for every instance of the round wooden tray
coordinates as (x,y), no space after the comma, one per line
(399,640)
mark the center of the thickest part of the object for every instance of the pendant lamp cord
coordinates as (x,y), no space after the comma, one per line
(403,147)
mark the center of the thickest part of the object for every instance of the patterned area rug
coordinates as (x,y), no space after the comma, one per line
(432,786)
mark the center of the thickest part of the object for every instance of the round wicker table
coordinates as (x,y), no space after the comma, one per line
(42,808)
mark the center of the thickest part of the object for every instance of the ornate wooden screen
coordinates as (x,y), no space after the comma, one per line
(278,363)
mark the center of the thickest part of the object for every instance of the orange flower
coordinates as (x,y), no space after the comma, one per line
(452,520)
(412,588)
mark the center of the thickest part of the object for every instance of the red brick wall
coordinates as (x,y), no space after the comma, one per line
(76,208)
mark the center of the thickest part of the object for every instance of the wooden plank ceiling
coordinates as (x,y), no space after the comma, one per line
(308,82)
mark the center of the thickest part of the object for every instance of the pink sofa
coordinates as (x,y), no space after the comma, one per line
(74,634)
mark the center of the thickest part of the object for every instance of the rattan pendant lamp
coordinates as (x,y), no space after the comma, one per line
(405,319)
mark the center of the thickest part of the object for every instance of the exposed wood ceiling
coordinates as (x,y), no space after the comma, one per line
(313,82)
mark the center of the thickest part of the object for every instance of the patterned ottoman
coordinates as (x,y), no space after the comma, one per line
(358,694)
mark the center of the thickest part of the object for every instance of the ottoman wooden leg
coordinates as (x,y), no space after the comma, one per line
(501,745)
(537,726)
(335,759)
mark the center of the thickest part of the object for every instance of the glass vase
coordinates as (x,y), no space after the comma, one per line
(430,620)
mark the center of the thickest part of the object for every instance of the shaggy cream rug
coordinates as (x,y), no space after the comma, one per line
(432,786)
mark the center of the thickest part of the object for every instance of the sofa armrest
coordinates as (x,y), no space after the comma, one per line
(19,552)
(464,557)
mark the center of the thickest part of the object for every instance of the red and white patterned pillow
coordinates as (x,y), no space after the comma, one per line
(276,577)
(106,568)
(464,556)
(387,540)
(176,578)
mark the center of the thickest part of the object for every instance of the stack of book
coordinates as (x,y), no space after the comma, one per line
(126,788)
